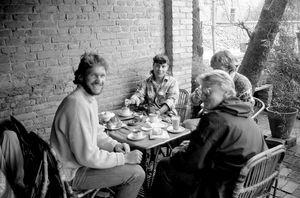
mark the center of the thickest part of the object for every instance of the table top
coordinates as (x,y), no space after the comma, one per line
(146,143)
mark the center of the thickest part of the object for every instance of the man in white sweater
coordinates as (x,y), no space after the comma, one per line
(89,157)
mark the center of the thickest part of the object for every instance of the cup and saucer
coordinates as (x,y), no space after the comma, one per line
(136,135)
(178,130)
(125,112)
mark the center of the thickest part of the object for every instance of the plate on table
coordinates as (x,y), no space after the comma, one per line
(131,136)
(159,124)
(146,128)
(179,130)
(148,120)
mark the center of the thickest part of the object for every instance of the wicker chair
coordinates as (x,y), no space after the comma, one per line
(259,106)
(182,104)
(258,175)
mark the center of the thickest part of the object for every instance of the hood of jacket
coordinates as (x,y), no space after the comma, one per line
(235,107)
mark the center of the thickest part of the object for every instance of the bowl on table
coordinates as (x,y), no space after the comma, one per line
(105,116)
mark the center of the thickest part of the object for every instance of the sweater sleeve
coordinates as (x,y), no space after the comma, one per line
(104,141)
(82,136)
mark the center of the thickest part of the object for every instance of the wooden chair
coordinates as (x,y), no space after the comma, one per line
(182,104)
(259,106)
(258,175)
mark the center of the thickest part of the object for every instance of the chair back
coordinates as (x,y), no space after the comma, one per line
(258,175)
(259,106)
(182,104)
(43,177)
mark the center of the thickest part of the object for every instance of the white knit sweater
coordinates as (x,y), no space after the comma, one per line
(77,137)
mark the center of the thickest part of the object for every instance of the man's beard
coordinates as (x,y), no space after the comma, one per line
(89,90)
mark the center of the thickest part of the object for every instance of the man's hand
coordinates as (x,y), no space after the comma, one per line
(122,148)
(133,157)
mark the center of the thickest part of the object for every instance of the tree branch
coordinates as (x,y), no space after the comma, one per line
(242,25)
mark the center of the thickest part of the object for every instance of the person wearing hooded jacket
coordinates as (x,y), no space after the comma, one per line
(225,138)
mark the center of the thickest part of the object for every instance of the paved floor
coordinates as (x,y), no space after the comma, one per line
(289,180)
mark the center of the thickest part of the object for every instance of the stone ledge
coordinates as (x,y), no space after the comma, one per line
(290,142)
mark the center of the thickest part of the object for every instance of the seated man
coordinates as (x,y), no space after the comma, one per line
(160,91)
(90,158)
(223,60)
(224,140)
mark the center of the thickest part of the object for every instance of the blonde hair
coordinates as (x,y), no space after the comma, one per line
(221,78)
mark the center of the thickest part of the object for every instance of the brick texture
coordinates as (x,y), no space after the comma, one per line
(41,43)
(179,38)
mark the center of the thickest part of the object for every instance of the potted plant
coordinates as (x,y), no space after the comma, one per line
(283,72)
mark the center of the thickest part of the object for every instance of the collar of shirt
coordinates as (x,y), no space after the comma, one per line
(166,78)
(85,94)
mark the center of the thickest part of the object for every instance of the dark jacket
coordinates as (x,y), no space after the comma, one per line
(226,137)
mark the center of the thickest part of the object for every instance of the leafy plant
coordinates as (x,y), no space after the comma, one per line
(283,71)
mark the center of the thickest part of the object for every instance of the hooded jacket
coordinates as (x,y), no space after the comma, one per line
(225,138)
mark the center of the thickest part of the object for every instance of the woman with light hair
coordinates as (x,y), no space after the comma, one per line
(224,60)
(225,138)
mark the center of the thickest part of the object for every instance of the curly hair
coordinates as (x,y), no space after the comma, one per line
(87,61)
(224,60)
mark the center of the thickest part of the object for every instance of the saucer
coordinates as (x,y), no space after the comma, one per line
(171,130)
(159,124)
(158,121)
(146,128)
(131,136)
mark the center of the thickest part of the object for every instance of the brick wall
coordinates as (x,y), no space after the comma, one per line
(179,38)
(41,42)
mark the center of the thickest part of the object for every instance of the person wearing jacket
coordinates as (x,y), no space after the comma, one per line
(223,60)
(89,157)
(225,138)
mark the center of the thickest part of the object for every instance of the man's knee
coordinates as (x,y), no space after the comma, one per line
(139,173)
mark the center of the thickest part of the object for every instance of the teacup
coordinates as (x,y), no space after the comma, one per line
(125,111)
(153,118)
(137,134)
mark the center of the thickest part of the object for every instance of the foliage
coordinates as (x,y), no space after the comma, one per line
(283,71)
